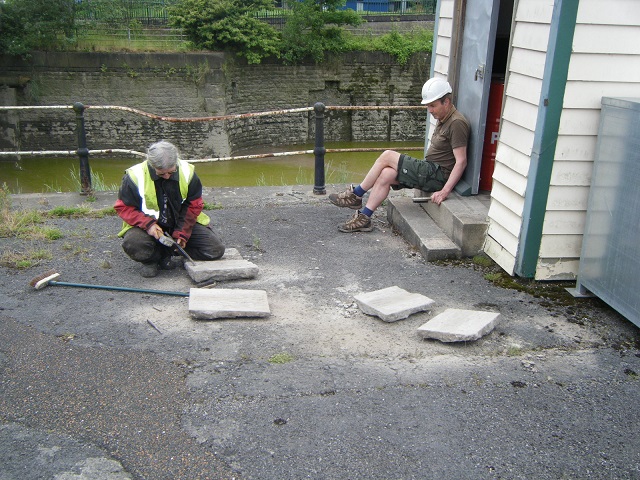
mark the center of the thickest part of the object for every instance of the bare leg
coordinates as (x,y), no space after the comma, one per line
(381,176)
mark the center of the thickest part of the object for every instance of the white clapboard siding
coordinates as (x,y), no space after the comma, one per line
(598,39)
(576,147)
(571,173)
(574,121)
(567,198)
(602,67)
(564,222)
(521,113)
(557,268)
(588,94)
(560,246)
(530,38)
(615,12)
(513,180)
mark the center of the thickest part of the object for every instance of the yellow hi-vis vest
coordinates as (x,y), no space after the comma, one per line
(141,177)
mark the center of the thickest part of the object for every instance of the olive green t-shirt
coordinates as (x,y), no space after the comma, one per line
(451,132)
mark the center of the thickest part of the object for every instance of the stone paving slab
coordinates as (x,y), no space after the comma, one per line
(218,303)
(455,325)
(393,303)
(220,270)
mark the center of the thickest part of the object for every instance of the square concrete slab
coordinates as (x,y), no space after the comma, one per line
(455,325)
(219,270)
(392,303)
(211,304)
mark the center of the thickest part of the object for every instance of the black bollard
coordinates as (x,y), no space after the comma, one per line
(83,151)
(319,150)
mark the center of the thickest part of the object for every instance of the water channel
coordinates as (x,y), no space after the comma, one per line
(47,174)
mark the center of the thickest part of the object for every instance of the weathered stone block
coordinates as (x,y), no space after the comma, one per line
(210,304)
(392,303)
(454,325)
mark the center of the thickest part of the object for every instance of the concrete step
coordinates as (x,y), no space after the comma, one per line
(453,229)
(420,230)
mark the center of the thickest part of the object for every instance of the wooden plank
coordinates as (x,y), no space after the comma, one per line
(500,255)
(521,113)
(607,39)
(524,88)
(588,94)
(443,46)
(507,176)
(516,137)
(534,11)
(570,173)
(445,28)
(614,12)
(510,199)
(578,121)
(511,158)
(604,68)
(567,198)
(557,269)
(502,236)
(527,62)
(576,147)
(531,36)
(446,9)
(504,217)
(564,222)
(441,65)
(560,246)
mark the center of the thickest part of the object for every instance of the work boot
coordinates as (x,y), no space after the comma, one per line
(346,199)
(358,223)
(149,270)
(166,263)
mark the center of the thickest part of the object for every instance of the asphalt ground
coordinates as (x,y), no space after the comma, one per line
(102,384)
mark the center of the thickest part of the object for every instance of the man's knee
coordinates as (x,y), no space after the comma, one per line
(140,246)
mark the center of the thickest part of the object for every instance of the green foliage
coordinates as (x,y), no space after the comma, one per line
(36,25)
(315,27)
(401,45)
(227,25)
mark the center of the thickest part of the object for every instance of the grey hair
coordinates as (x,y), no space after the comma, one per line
(163,155)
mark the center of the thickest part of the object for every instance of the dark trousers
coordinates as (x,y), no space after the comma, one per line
(204,244)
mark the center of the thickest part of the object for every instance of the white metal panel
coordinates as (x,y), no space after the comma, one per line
(513,159)
(567,198)
(505,217)
(607,39)
(570,173)
(500,255)
(510,178)
(521,113)
(611,12)
(575,121)
(516,137)
(575,147)
(604,67)
(587,94)
(560,246)
(524,88)
(564,222)
(531,36)
(510,199)
(527,62)
(534,11)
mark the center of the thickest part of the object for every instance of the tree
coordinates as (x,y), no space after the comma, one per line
(27,25)
(227,25)
(315,27)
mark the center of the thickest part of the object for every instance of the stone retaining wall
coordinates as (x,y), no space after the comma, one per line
(204,85)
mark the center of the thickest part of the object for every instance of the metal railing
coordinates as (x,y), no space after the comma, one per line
(319,150)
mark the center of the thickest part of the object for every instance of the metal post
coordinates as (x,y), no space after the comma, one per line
(83,151)
(319,150)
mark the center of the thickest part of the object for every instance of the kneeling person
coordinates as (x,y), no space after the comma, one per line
(164,194)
